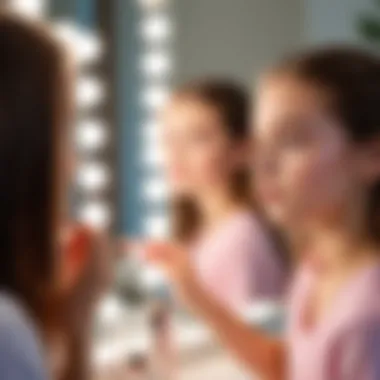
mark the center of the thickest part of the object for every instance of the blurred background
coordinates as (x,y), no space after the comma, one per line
(131,53)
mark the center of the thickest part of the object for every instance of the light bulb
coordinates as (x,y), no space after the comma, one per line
(156,64)
(85,45)
(88,48)
(93,177)
(155,189)
(153,155)
(156,226)
(96,214)
(151,132)
(91,134)
(90,92)
(155,97)
(109,309)
(156,28)
(31,8)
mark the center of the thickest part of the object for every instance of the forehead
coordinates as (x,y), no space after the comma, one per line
(184,109)
(283,98)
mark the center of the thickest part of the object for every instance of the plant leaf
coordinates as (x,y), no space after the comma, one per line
(369,28)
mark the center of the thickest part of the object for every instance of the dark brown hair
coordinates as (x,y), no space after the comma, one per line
(232,103)
(350,77)
(31,108)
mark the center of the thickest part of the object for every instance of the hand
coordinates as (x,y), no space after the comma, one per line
(174,261)
(87,275)
(93,280)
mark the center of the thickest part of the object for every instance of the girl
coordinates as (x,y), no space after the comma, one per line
(205,139)
(49,277)
(317,166)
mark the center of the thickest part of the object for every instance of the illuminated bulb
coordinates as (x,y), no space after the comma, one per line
(86,46)
(150,132)
(152,278)
(109,310)
(91,134)
(156,64)
(67,31)
(156,226)
(32,8)
(93,177)
(90,92)
(155,189)
(155,97)
(156,28)
(153,155)
(96,214)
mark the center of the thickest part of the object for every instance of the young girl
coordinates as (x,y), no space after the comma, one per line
(205,136)
(317,167)
(49,276)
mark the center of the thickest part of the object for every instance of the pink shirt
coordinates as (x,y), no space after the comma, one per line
(238,264)
(345,344)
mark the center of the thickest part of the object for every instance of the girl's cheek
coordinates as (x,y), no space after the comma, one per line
(296,173)
(314,182)
(207,168)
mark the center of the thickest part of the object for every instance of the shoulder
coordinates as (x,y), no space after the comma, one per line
(21,354)
(246,221)
(245,228)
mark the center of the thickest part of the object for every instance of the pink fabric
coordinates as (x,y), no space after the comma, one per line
(345,344)
(238,264)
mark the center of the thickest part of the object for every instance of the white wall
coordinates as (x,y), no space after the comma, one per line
(334,20)
(240,37)
(234,37)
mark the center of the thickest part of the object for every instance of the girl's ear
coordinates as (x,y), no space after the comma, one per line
(75,251)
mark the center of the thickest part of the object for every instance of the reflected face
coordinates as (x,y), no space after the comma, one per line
(304,162)
(199,155)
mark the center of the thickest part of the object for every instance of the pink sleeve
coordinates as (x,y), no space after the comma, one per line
(357,355)
(248,267)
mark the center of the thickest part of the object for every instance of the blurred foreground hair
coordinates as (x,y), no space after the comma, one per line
(32,112)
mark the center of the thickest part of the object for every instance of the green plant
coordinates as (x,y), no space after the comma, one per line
(369,25)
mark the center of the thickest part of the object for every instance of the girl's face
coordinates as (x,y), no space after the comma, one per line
(305,166)
(199,155)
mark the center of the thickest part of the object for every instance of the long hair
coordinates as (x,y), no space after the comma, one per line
(32,106)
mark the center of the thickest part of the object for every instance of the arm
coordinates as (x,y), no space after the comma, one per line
(78,359)
(260,353)
(81,308)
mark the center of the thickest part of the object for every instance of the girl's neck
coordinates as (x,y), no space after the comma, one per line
(216,206)
(339,251)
